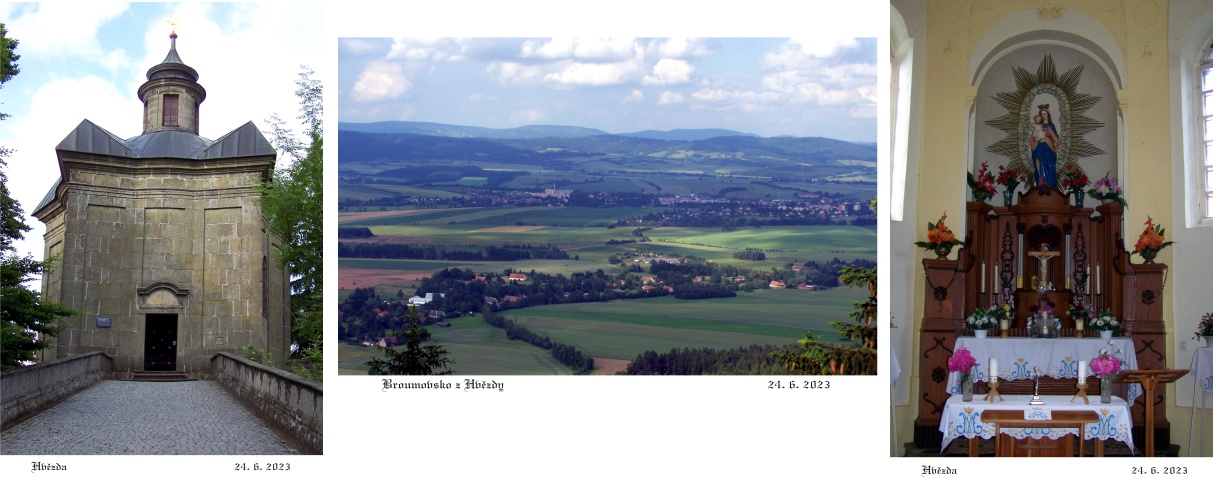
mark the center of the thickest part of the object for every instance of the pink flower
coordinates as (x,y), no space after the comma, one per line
(962,361)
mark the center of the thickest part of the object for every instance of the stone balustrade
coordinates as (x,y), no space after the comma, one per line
(287,401)
(31,389)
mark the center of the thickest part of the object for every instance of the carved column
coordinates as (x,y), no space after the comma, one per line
(943,317)
(1143,321)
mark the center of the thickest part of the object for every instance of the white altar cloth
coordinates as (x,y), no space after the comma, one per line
(963,419)
(1202,394)
(1202,371)
(1056,357)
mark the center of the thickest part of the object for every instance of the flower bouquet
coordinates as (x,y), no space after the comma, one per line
(1010,179)
(963,362)
(1081,314)
(1108,189)
(940,239)
(1204,329)
(983,319)
(1150,241)
(1104,322)
(1074,182)
(1105,367)
(983,183)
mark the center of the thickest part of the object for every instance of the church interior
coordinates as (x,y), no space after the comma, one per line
(1068,152)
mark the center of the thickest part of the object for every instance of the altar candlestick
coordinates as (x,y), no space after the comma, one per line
(993,370)
(1019,256)
(1087,278)
(1067,250)
(1098,286)
(1019,282)
(1078,323)
(1082,371)
(983,277)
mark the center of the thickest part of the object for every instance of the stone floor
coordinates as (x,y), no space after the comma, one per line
(127,417)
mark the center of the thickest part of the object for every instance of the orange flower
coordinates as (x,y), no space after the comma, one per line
(1150,238)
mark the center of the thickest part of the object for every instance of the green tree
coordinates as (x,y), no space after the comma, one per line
(26,320)
(417,358)
(858,357)
(293,206)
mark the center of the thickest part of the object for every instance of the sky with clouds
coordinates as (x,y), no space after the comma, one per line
(86,60)
(822,85)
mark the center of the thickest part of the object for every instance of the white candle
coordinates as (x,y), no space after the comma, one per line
(1087,277)
(1082,371)
(993,370)
(1098,286)
(983,277)
(1004,324)
(1078,323)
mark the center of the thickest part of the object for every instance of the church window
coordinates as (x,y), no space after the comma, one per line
(170,110)
(1206,86)
(265,289)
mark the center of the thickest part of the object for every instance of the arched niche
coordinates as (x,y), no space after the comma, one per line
(1000,82)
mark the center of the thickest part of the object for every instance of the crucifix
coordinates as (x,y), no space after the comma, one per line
(1036,374)
(1044,284)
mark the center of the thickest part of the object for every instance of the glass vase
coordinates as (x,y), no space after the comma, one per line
(1007,195)
(1078,195)
(1105,389)
(966,387)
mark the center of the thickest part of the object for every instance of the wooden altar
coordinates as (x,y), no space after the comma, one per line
(1091,266)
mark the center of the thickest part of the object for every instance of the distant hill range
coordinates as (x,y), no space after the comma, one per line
(563,146)
(529,131)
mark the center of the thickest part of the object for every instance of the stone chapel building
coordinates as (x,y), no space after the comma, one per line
(162,243)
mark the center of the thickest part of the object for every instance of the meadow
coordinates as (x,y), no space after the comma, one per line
(625,328)
(476,347)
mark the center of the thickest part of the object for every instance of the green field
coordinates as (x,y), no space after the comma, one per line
(476,347)
(625,328)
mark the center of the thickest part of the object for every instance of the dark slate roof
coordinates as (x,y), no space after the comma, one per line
(241,142)
(89,138)
(50,195)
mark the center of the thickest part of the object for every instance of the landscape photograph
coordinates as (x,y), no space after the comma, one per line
(552,206)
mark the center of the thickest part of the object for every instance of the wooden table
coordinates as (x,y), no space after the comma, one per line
(1064,447)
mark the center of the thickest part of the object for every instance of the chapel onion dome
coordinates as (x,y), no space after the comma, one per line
(171,96)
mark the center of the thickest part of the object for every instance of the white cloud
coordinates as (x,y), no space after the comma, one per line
(671,98)
(410,49)
(215,39)
(635,97)
(670,72)
(595,74)
(678,47)
(478,97)
(514,73)
(583,49)
(526,116)
(358,46)
(63,28)
(381,80)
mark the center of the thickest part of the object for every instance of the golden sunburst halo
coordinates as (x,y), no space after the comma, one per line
(1074,125)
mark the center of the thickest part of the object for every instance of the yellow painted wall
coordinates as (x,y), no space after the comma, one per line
(953,28)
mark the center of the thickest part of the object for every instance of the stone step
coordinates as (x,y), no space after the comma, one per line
(159,376)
